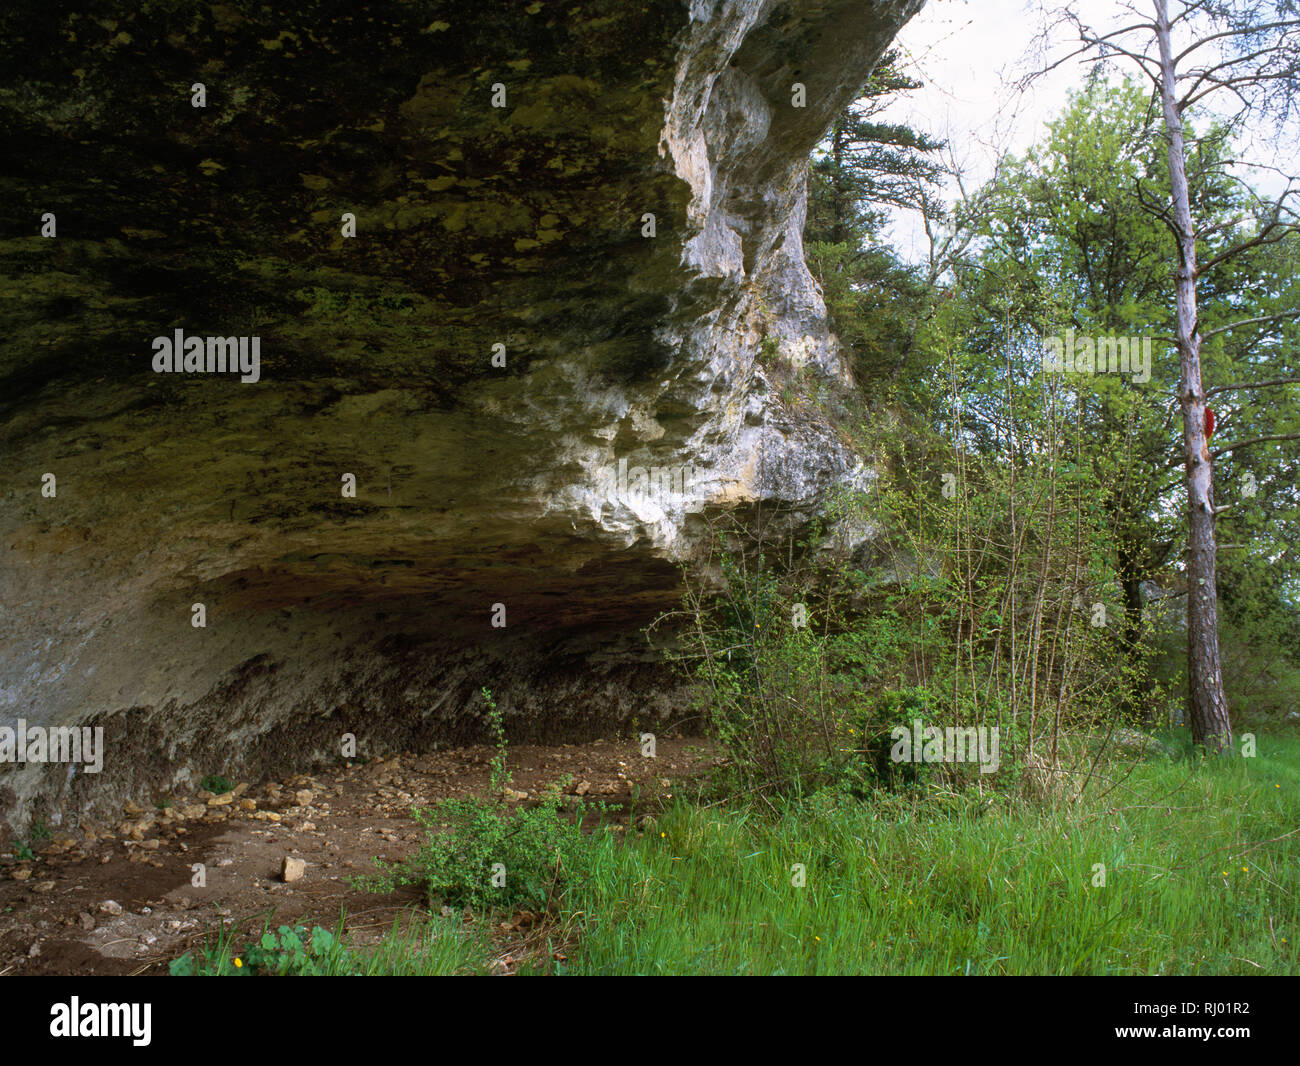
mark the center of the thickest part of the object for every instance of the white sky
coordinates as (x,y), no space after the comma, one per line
(969,53)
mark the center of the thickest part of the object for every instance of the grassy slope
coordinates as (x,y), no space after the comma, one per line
(955,885)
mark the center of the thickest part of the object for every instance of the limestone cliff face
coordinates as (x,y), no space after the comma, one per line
(637,393)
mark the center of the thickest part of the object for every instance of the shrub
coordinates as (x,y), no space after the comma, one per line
(481,854)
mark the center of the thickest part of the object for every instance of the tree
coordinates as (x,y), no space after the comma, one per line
(862,168)
(864,164)
(1061,243)
(1251,50)
(1059,233)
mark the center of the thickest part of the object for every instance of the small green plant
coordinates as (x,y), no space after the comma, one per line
(483,853)
(216,783)
(437,946)
(288,952)
(23,852)
(500,776)
(480,853)
(553,792)
(40,831)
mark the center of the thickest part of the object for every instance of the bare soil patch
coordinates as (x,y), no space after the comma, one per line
(119,898)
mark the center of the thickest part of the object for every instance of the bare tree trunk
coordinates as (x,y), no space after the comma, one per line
(1206,706)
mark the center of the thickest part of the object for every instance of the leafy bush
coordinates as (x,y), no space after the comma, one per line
(763,682)
(481,854)
(964,611)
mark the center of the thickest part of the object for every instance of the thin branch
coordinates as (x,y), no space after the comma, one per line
(1252,384)
(1253,440)
(1250,322)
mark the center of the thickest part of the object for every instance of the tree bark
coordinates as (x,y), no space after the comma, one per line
(1207,709)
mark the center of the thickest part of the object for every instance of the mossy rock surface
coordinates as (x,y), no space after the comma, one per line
(476,226)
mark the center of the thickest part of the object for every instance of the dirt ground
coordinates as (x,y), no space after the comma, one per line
(119,898)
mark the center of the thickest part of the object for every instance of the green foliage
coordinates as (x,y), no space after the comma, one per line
(217,784)
(864,164)
(864,167)
(353,308)
(761,678)
(1259,624)
(500,776)
(287,952)
(1064,242)
(26,852)
(874,720)
(437,947)
(473,843)
(484,853)
(973,605)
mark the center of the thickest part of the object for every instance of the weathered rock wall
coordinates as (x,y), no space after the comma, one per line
(476,226)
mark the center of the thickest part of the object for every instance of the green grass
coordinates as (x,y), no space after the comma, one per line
(442,949)
(960,885)
(929,883)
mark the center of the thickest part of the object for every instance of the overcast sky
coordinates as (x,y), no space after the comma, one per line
(968,52)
